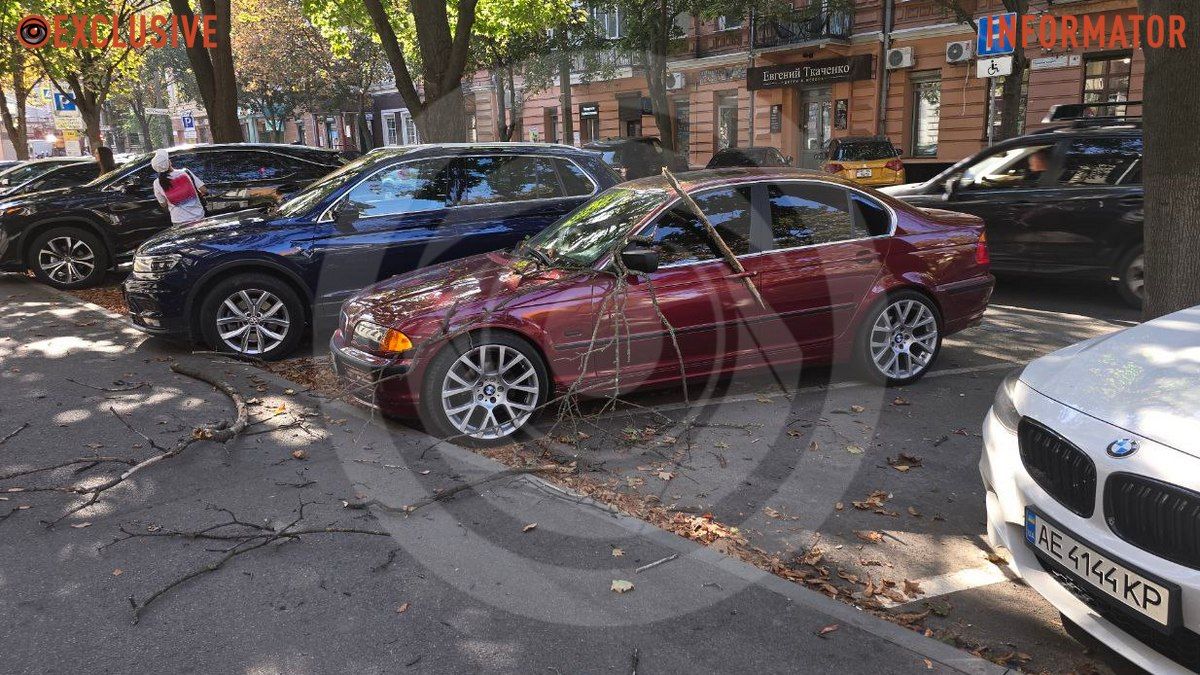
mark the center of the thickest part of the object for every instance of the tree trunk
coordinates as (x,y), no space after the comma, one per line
(143,122)
(656,82)
(1171,115)
(564,84)
(1010,98)
(17,125)
(213,69)
(503,132)
(443,118)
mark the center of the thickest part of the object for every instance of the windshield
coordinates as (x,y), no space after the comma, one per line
(303,201)
(595,228)
(22,173)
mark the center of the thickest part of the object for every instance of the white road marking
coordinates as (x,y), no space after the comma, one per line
(953,582)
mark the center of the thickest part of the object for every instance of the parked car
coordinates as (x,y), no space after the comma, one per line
(251,283)
(70,237)
(1064,203)
(748,157)
(6,164)
(29,176)
(866,160)
(475,346)
(636,156)
(1093,485)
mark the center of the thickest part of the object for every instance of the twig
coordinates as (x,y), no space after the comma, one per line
(656,563)
(14,433)
(139,385)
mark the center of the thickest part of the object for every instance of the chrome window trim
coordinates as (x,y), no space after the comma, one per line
(670,205)
(327,215)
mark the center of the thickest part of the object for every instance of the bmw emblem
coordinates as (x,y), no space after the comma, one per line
(1122,447)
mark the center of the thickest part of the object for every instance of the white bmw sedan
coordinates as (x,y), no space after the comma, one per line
(1092,467)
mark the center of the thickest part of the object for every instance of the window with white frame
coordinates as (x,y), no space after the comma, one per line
(610,21)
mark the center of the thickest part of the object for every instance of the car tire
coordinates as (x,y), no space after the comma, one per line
(496,374)
(68,257)
(257,316)
(1131,277)
(899,339)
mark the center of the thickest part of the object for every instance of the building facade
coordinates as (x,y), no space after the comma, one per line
(795,84)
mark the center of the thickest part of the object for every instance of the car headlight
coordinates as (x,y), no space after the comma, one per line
(154,266)
(14,210)
(380,339)
(1003,407)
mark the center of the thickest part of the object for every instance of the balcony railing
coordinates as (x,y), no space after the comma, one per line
(803,27)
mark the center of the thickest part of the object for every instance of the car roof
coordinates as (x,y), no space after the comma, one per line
(620,140)
(861,139)
(499,148)
(278,147)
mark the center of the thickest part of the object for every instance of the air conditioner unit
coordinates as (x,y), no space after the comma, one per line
(676,81)
(959,52)
(901,57)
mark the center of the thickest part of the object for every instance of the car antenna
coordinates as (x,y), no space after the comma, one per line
(726,253)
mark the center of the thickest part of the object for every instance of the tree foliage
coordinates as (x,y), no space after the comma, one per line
(18,76)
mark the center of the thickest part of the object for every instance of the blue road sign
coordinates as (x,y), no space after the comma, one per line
(189,122)
(63,103)
(990,40)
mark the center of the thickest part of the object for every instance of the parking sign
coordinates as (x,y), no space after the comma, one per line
(999,42)
(63,103)
(189,122)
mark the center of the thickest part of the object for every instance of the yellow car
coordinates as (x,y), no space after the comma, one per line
(867,160)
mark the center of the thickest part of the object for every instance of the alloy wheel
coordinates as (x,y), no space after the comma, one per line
(1135,276)
(490,392)
(67,260)
(903,339)
(253,321)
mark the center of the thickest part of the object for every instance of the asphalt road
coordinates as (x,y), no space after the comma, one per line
(464,585)
(775,456)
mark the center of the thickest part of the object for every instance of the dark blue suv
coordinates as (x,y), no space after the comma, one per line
(251,283)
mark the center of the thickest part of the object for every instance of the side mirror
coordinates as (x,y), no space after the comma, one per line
(345,216)
(638,258)
(950,188)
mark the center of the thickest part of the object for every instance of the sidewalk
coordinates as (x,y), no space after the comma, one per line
(460,585)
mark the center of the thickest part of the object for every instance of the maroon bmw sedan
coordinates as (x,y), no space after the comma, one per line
(629,290)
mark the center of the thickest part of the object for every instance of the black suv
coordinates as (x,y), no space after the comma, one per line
(47,174)
(1064,202)
(636,156)
(71,236)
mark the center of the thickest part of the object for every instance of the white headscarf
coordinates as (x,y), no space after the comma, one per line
(161,161)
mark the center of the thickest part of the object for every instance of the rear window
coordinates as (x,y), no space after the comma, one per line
(862,151)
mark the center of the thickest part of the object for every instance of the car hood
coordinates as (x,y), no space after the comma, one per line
(224,226)
(458,292)
(905,190)
(41,198)
(1144,379)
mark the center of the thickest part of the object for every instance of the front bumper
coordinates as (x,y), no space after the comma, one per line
(1010,488)
(159,307)
(375,381)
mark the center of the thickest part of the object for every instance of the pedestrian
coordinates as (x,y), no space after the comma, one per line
(178,190)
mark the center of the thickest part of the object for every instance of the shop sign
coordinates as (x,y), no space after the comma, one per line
(825,71)
(714,75)
(589,109)
(1049,62)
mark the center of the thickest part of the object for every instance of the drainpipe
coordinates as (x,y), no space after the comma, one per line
(751,65)
(882,86)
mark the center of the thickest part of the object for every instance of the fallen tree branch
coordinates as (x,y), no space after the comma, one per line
(14,433)
(220,433)
(139,385)
(450,492)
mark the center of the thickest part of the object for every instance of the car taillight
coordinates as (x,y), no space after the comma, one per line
(834,168)
(981,252)
(894,165)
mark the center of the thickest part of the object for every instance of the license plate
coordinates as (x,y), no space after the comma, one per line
(1083,563)
(862,173)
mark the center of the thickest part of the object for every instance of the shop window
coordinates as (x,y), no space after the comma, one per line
(1106,80)
(926,113)
(683,132)
(551,121)
(727,121)
(589,128)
